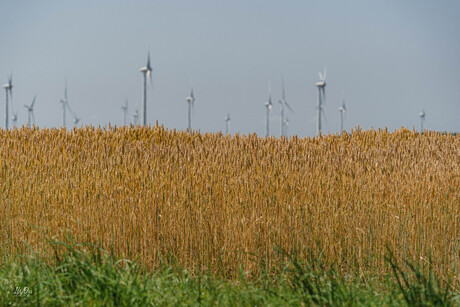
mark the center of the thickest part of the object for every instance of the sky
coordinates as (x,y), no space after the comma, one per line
(388,60)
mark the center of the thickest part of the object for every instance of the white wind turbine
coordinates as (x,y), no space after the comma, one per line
(342,110)
(125,111)
(283,103)
(321,98)
(422,119)
(227,123)
(191,103)
(268,106)
(9,94)
(30,112)
(76,119)
(286,125)
(65,105)
(14,118)
(147,73)
(136,117)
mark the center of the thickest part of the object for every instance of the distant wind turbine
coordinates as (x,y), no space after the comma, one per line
(283,103)
(136,117)
(321,98)
(342,110)
(227,123)
(65,104)
(422,119)
(268,106)
(147,73)
(191,102)
(286,126)
(9,94)
(125,111)
(76,119)
(14,118)
(30,112)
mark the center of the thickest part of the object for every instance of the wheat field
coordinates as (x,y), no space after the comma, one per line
(225,203)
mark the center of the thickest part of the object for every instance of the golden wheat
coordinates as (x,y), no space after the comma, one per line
(223,202)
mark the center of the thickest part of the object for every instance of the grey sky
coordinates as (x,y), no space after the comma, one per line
(387,59)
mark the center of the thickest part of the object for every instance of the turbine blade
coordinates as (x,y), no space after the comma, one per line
(149,76)
(289,107)
(33,101)
(325,72)
(320,76)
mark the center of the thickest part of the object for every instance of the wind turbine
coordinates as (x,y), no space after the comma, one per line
(147,73)
(125,111)
(342,110)
(191,102)
(321,98)
(227,123)
(65,104)
(422,119)
(76,119)
(283,103)
(9,94)
(135,117)
(30,112)
(268,106)
(286,125)
(14,118)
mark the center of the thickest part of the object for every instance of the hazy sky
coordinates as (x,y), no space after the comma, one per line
(388,59)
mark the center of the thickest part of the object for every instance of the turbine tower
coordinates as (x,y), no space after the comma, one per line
(227,123)
(125,111)
(283,103)
(191,102)
(268,106)
(147,73)
(9,94)
(321,98)
(342,110)
(422,119)
(30,112)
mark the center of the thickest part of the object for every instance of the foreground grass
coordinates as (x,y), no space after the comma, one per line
(84,275)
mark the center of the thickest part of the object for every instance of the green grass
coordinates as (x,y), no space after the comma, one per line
(85,275)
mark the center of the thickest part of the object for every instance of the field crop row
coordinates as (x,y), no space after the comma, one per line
(226,203)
